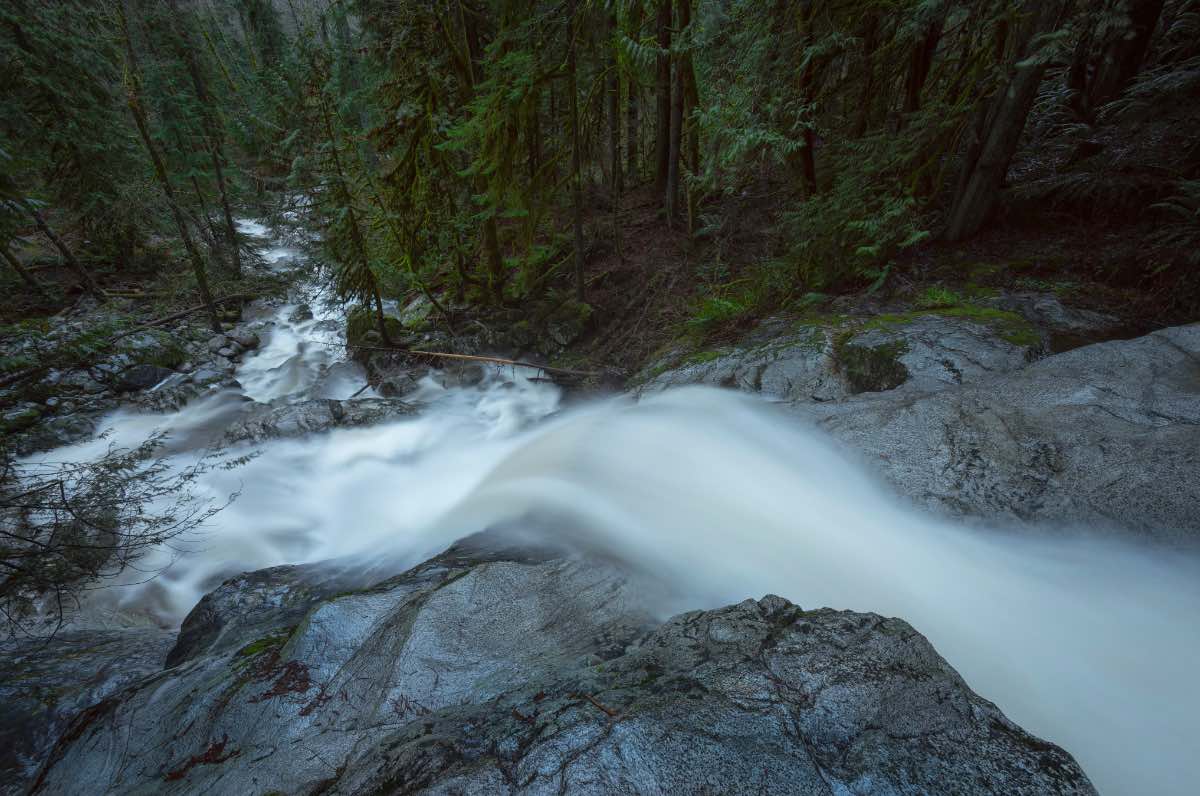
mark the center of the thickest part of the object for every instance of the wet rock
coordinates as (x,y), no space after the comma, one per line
(487,670)
(223,363)
(309,417)
(301,314)
(229,352)
(1103,436)
(43,686)
(245,338)
(461,375)
(216,343)
(828,361)
(142,377)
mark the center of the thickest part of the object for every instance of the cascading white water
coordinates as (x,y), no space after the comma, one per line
(1090,643)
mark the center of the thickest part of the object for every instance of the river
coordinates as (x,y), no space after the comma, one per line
(1091,644)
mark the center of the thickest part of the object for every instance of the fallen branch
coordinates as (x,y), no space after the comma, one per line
(22,375)
(182,314)
(474,358)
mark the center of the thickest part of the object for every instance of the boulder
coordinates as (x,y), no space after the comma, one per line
(142,377)
(44,685)
(300,314)
(833,359)
(244,337)
(489,670)
(266,421)
(1105,436)
(216,343)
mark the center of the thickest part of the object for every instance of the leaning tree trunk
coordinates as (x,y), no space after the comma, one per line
(999,133)
(919,62)
(26,277)
(89,283)
(216,147)
(164,181)
(662,87)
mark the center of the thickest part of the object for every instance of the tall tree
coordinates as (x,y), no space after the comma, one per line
(133,91)
(1001,122)
(662,88)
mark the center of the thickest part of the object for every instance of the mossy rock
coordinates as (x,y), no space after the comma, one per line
(165,352)
(870,368)
(362,320)
(1008,326)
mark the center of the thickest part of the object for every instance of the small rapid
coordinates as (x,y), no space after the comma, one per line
(1092,644)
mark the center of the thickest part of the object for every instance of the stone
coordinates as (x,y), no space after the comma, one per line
(491,669)
(244,338)
(142,377)
(1105,436)
(44,686)
(216,343)
(265,421)
(300,314)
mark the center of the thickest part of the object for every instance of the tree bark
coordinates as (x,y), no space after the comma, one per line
(26,277)
(614,109)
(89,283)
(807,153)
(662,88)
(919,63)
(691,101)
(576,190)
(870,44)
(1000,131)
(631,111)
(1122,57)
(671,198)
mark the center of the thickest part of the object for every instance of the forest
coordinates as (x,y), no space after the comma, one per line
(691,164)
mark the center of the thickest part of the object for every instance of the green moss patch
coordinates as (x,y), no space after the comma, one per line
(870,368)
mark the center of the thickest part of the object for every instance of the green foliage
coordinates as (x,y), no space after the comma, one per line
(1179,231)
(936,297)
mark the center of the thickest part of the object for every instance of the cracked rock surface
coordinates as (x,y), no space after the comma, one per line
(496,670)
(1104,436)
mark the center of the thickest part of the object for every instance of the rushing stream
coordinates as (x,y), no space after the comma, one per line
(1091,644)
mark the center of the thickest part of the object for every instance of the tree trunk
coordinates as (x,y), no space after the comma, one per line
(215,139)
(614,110)
(576,190)
(160,171)
(89,283)
(489,233)
(870,44)
(919,63)
(26,277)
(631,112)
(662,87)
(807,153)
(1122,57)
(1000,131)
(691,101)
